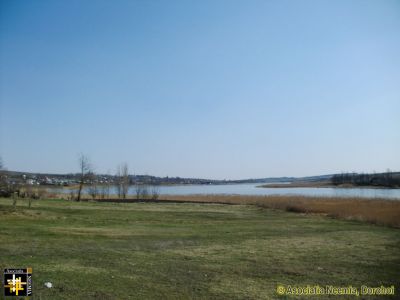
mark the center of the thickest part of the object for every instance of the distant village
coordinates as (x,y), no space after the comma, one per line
(389,179)
(21,178)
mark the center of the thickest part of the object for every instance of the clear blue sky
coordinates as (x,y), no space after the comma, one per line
(215,89)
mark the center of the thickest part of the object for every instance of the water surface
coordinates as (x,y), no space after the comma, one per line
(252,189)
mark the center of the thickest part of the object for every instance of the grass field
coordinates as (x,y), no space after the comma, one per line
(94,250)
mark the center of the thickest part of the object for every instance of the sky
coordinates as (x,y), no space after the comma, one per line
(211,89)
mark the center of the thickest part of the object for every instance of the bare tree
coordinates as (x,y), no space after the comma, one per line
(122,180)
(105,187)
(118,181)
(30,194)
(138,191)
(141,191)
(85,169)
(4,187)
(125,180)
(105,190)
(15,196)
(144,192)
(93,191)
(154,192)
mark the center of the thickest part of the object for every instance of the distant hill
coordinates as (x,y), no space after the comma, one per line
(73,178)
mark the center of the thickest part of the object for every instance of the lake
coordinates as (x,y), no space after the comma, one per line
(252,189)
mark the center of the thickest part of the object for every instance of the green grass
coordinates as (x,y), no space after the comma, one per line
(185,251)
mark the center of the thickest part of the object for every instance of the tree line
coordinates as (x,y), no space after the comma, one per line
(122,183)
(88,181)
(387,179)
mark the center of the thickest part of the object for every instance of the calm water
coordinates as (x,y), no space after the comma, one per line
(252,189)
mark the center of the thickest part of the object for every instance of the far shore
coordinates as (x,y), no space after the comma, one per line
(322,184)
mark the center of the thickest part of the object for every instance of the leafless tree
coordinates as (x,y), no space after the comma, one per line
(141,191)
(93,191)
(122,180)
(154,192)
(30,194)
(125,180)
(144,192)
(104,188)
(4,187)
(15,196)
(105,191)
(138,191)
(118,182)
(85,169)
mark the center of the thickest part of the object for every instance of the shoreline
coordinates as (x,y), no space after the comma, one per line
(323,185)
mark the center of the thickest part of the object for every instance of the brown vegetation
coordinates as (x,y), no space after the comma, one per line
(298,184)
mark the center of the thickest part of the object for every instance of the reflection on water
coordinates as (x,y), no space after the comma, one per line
(252,189)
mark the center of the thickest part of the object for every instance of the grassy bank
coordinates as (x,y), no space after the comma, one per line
(376,211)
(372,210)
(93,250)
